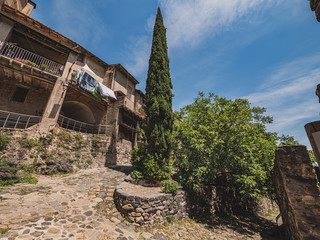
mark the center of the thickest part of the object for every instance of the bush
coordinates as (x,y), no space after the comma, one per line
(170,186)
(153,167)
(4,141)
(79,141)
(30,143)
(136,174)
(64,137)
(225,142)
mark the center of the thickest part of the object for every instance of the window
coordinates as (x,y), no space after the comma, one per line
(80,58)
(20,94)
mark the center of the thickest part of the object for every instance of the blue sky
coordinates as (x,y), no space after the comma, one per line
(263,50)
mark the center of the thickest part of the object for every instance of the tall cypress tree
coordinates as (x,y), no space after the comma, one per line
(159,116)
(152,160)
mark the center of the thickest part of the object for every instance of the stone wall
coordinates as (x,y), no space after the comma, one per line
(36,99)
(150,208)
(298,193)
(61,150)
(123,152)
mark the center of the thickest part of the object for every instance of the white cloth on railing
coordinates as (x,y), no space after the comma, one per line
(105,91)
(88,80)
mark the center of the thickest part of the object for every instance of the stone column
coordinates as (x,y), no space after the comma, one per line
(52,110)
(313,131)
(297,192)
(135,143)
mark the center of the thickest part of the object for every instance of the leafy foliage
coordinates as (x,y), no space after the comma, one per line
(153,159)
(225,142)
(149,166)
(170,186)
(286,140)
(312,157)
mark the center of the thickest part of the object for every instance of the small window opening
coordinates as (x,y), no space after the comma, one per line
(20,94)
(80,58)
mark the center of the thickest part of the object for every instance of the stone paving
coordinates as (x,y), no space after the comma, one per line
(77,206)
(80,206)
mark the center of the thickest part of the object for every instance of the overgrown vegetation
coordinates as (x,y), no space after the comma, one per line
(225,142)
(170,186)
(152,160)
(26,179)
(30,143)
(4,141)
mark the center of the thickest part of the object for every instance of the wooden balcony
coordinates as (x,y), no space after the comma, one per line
(26,57)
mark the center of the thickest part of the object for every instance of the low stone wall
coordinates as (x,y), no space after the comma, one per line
(147,205)
(61,150)
(298,193)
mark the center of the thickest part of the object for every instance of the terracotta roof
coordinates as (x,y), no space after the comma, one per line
(125,71)
(30,22)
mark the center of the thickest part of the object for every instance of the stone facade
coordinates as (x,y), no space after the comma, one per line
(298,193)
(149,208)
(49,91)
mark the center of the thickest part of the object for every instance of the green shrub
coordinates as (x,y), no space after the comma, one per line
(136,174)
(4,141)
(79,141)
(95,143)
(170,186)
(64,137)
(26,179)
(30,143)
(153,167)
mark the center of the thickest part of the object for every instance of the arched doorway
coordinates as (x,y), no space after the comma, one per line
(78,111)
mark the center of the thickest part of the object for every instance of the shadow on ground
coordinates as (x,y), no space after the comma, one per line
(126,169)
(248,226)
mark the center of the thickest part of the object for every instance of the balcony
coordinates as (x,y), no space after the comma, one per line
(78,126)
(17,120)
(26,57)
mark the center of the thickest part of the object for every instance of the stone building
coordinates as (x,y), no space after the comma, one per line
(40,89)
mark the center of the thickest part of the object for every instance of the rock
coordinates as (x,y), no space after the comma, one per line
(88,213)
(146,235)
(128,207)
(160,237)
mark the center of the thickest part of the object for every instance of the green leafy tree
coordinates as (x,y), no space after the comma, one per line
(286,140)
(225,142)
(153,159)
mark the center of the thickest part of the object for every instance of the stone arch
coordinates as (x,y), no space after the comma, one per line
(78,111)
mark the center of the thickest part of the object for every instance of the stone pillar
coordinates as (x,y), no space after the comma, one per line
(135,143)
(6,27)
(28,8)
(298,193)
(313,133)
(113,120)
(52,110)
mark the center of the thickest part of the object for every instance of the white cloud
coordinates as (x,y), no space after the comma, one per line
(289,96)
(190,21)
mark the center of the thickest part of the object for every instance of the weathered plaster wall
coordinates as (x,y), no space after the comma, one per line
(298,193)
(35,101)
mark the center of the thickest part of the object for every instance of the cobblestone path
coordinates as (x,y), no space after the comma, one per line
(77,206)
(80,206)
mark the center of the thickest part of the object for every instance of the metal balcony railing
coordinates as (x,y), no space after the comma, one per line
(17,120)
(78,126)
(12,51)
